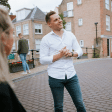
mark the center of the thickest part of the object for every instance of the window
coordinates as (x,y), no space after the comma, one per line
(70,9)
(13,47)
(38,28)
(111,5)
(18,30)
(80,22)
(107,4)
(37,44)
(70,13)
(68,26)
(107,23)
(28,46)
(25,29)
(79,2)
(81,43)
(65,14)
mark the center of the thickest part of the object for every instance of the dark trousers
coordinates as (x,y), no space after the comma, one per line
(72,86)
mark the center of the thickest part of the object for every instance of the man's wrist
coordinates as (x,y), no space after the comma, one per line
(72,54)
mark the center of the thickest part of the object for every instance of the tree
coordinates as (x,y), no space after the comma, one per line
(64,22)
(5,3)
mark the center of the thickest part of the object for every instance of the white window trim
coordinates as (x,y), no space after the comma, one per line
(13,48)
(68,5)
(80,24)
(107,4)
(81,41)
(41,29)
(79,2)
(25,29)
(70,26)
(108,17)
(70,15)
(69,9)
(111,6)
(37,44)
(29,47)
(19,31)
(65,14)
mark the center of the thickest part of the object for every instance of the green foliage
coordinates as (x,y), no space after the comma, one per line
(5,3)
(97,53)
(64,22)
(84,54)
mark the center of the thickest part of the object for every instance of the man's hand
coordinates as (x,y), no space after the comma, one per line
(65,52)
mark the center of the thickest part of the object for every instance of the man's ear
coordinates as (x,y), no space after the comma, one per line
(49,24)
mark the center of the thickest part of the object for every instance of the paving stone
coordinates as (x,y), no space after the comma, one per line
(95,78)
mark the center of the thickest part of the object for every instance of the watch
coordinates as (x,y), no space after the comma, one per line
(72,53)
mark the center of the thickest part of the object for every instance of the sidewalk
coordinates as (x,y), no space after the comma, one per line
(95,77)
(39,69)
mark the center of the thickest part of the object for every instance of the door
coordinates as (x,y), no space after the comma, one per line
(108,48)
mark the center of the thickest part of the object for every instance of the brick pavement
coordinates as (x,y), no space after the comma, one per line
(95,78)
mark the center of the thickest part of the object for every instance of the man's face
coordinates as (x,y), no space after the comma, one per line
(55,23)
(20,35)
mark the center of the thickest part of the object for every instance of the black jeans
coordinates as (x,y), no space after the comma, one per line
(72,86)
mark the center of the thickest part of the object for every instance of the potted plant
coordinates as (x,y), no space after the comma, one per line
(84,56)
(17,66)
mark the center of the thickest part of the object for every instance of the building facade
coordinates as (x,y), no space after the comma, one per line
(91,22)
(31,23)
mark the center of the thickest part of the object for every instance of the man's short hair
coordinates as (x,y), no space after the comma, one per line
(19,34)
(47,18)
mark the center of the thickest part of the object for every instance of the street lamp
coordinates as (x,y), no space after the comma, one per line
(96,32)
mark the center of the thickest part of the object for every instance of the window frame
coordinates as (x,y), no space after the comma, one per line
(107,4)
(107,23)
(69,9)
(70,26)
(79,2)
(111,6)
(80,24)
(37,29)
(13,47)
(24,29)
(37,44)
(81,41)
(18,31)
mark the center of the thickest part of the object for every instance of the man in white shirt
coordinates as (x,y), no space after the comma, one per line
(57,49)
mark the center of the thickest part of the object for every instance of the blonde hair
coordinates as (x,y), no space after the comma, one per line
(5,26)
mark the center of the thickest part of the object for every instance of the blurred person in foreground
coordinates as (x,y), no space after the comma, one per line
(8,100)
(57,49)
(22,51)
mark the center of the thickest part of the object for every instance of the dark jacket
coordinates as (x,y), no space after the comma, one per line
(8,100)
(22,46)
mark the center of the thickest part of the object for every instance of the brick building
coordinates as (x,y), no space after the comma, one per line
(31,23)
(88,20)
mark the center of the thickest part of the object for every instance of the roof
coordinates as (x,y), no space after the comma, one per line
(12,17)
(35,14)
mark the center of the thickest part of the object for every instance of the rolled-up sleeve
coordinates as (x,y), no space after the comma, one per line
(45,58)
(76,47)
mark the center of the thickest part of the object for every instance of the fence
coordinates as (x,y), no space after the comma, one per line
(16,66)
(87,51)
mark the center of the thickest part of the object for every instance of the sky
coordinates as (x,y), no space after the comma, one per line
(44,5)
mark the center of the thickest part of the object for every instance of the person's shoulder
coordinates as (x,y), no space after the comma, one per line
(46,36)
(70,34)
(4,87)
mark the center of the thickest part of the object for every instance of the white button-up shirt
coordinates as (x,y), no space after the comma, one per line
(50,45)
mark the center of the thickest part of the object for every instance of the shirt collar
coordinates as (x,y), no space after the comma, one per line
(52,33)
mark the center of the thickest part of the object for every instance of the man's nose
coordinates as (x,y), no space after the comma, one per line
(60,20)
